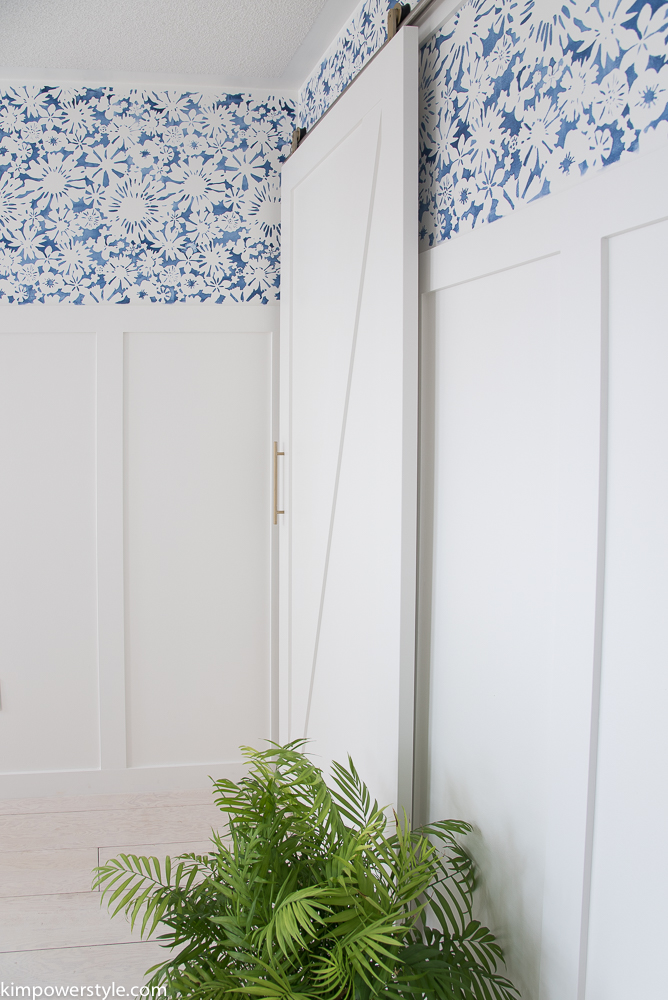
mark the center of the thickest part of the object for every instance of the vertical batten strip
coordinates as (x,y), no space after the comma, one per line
(410,434)
(604,285)
(110,546)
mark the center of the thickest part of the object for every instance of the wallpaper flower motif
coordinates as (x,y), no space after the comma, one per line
(129,196)
(522,97)
(519,98)
(362,37)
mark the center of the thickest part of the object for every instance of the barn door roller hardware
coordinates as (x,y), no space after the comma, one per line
(396,17)
(400,15)
(297,137)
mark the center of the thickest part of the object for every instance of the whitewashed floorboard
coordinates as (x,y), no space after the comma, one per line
(92,803)
(61,920)
(122,964)
(159,851)
(38,873)
(53,931)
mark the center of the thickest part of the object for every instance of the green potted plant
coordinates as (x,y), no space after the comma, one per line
(311,894)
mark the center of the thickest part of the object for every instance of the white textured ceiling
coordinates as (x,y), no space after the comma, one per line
(250,43)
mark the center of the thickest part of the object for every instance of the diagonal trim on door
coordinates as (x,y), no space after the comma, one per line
(358,308)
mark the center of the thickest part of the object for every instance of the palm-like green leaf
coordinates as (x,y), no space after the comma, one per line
(310,894)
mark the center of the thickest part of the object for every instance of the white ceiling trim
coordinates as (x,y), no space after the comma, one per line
(144,81)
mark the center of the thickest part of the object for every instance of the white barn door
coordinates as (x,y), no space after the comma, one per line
(349,428)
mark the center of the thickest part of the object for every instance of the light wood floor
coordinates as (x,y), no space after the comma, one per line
(53,931)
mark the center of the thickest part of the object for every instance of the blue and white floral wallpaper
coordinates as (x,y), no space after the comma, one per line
(111,195)
(127,195)
(522,97)
(360,39)
(519,98)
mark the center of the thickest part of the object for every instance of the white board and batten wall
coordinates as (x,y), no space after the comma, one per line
(544,567)
(136,569)
(137,551)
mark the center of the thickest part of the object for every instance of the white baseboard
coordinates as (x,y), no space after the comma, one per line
(131,780)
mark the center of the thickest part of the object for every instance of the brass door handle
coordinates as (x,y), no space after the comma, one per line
(276,456)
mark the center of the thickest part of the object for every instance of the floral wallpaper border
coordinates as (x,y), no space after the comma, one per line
(519,98)
(523,97)
(360,39)
(127,195)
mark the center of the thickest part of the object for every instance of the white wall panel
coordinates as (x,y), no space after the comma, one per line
(496,472)
(136,545)
(542,683)
(48,623)
(629,921)
(198,536)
